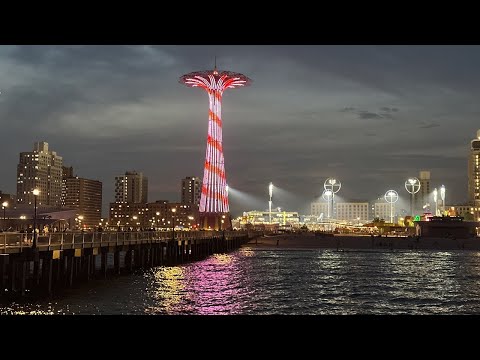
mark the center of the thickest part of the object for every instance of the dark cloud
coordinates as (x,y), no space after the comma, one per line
(428,125)
(369,115)
(107,109)
(388,110)
(383,113)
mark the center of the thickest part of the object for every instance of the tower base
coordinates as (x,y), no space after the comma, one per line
(213,221)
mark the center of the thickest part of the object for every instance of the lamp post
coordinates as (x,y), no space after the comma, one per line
(435,199)
(327,196)
(223,226)
(174,210)
(391,197)
(4,206)
(412,185)
(270,192)
(442,196)
(35,194)
(333,185)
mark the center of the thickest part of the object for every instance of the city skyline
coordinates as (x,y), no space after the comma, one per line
(369,115)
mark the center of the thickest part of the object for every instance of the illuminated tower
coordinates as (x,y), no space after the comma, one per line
(214,199)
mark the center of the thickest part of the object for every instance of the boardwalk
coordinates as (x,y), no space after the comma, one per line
(61,259)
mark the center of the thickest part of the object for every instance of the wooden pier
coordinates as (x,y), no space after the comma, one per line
(63,259)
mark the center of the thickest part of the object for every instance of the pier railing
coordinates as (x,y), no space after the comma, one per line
(16,242)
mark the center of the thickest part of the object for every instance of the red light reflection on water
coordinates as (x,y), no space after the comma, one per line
(211,286)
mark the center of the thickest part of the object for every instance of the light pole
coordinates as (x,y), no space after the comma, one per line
(223,226)
(270,192)
(412,185)
(442,196)
(334,186)
(327,196)
(174,210)
(35,194)
(391,196)
(435,198)
(4,206)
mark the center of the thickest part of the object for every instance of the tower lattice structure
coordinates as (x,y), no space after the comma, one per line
(214,205)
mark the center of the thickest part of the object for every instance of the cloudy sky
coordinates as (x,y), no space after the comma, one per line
(369,115)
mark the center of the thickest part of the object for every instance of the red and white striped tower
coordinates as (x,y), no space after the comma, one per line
(214,200)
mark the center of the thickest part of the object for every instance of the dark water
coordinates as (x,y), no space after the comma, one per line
(252,281)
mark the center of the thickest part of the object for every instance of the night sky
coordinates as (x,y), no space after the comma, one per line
(369,115)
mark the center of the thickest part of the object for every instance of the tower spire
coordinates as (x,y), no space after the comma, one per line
(215,72)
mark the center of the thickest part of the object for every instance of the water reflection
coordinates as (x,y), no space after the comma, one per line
(212,286)
(251,281)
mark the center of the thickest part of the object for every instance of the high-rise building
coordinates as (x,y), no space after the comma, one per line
(85,195)
(191,190)
(41,169)
(423,199)
(474,172)
(67,172)
(131,188)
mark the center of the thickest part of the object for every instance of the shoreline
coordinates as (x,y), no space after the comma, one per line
(355,242)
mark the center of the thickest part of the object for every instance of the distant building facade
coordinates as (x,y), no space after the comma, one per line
(85,195)
(352,211)
(191,189)
(423,200)
(474,172)
(319,209)
(156,215)
(345,211)
(381,210)
(468,212)
(285,218)
(40,169)
(131,188)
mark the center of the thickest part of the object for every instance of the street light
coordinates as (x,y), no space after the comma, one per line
(35,192)
(333,185)
(442,196)
(4,205)
(174,210)
(412,185)
(391,197)
(327,196)
(435,199)
(270,192)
